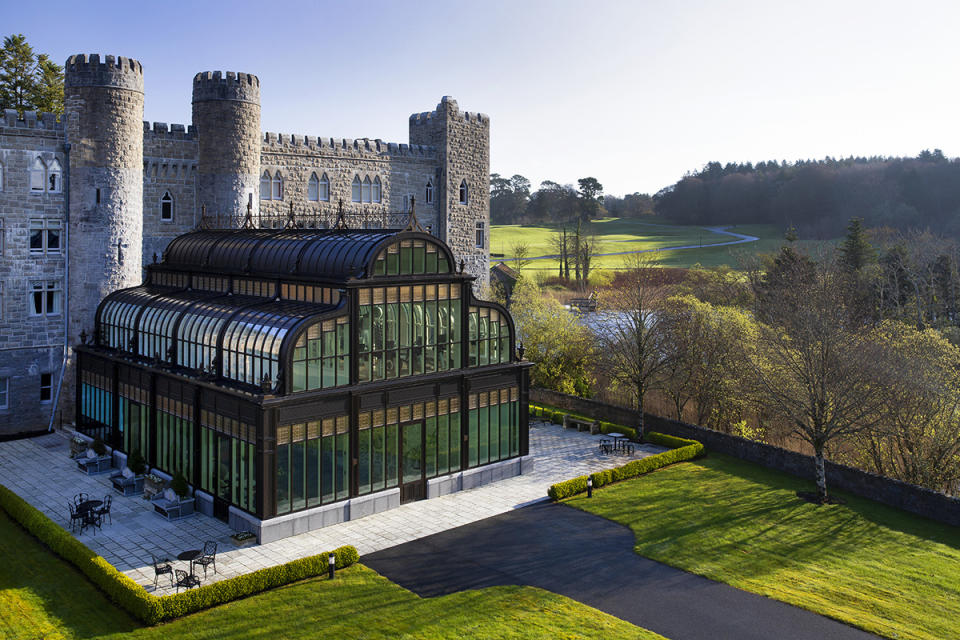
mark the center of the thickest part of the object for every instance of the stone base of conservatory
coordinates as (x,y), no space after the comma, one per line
(303,521)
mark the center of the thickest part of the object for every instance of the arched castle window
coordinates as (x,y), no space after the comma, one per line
(276,191)
(464,192)
(37,174)
(375,195)
(265,186)
(355,189)
(480,236)
(313,188)
(166,207)
(429,194)
(366,189)
(53,176)
(324,188)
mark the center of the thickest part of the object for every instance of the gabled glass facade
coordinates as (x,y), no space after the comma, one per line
(283,371)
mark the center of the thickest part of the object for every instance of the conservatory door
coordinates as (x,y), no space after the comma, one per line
(413,483)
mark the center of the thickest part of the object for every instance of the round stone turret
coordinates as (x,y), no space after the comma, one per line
(103,116)
(226,118)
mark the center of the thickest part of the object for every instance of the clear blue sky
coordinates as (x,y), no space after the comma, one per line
(632,93)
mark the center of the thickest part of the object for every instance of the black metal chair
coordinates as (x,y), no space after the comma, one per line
(76,518)
(80,497)
(91,518)
(161,567)
(186,580)
(104,509)
(209,557)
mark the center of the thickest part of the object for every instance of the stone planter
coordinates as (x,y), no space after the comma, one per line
(127,486)
(243,542)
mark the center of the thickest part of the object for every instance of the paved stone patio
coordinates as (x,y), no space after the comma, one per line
(40,471)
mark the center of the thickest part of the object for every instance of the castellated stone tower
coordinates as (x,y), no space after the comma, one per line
(104,127)
(226,117)
(462,140)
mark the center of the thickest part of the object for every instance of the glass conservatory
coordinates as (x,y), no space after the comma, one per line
(301,377)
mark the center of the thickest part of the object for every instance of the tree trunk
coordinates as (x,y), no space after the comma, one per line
(821,476)
(640,395)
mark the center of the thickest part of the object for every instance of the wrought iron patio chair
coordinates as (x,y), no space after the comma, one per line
(76,518)
(209,557)
(80,497)
(161,567)
(186,580)
(91,518)
(104,509)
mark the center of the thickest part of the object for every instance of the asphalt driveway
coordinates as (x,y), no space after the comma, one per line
(591,560)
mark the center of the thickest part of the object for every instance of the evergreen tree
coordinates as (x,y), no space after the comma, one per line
(855,251)
(29,81)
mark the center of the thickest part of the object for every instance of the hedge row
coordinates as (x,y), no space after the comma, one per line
(684,450)
(142,605)
(555,416)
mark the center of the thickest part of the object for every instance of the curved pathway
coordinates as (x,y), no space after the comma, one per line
(741,238)
(590,559)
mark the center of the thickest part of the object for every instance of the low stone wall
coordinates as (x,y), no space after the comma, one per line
(901,495)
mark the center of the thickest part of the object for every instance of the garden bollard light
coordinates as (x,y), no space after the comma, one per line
(589,487)
(333,565)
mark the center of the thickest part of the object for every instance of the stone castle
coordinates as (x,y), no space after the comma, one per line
(86,201)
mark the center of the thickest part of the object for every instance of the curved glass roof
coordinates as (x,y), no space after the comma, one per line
(202,329)
(328,254)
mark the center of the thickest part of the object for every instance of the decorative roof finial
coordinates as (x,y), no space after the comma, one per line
(341,224)
(291,219)
(248,219)
(204,222)
(83,336)
(413,224)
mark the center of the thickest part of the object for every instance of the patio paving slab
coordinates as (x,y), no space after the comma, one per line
(41,472)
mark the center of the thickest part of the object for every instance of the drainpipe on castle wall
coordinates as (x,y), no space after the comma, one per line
(66,280)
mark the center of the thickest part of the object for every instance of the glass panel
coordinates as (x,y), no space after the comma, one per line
(363,461)
(474,435)
(377,475)
(504,430)
(483,437)
(283,478)
(313,472)
(412,452)
(454,421)
(343,465)
(297,475)
(392,454)
(327,468)
(431,447)
(443,445)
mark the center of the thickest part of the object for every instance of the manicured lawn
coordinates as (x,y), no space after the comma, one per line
(624,234)
(869,565)
(43,597)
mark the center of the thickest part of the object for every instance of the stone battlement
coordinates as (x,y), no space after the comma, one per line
(448,107)
(215,85)
(174,131)
(276,142)
(83,70)
(31,120)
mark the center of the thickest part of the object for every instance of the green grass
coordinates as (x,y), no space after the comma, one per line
(43,597)
(863,563)
(626,234)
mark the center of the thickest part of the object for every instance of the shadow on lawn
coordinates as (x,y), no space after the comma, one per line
(54,598)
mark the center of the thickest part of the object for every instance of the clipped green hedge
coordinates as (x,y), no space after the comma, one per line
(555,416)
(134,598)
(685,450)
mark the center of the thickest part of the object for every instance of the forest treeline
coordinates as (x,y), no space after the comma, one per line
(512,201)
(818,197)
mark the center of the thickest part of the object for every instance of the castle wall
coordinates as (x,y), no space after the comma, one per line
(462,139)
(403,171)
(29,345)
(169,165)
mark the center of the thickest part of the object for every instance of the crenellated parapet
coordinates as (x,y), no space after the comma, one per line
(31,120)
(88,70)
(280,142)
(448,109)
(216,85)
(169,132)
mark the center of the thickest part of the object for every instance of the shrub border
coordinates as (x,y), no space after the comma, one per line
(681,449)
(132,597)
(555,415)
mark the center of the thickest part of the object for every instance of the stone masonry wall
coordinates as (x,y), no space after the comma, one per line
(462,139)
(894,493)
(226,117)
(30,345)
(403,171)
(169,166)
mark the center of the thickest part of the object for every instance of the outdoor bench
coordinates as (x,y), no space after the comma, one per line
(590,425)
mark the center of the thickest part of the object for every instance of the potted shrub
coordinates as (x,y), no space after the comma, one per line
(95,460)
(98,447)
(179,485)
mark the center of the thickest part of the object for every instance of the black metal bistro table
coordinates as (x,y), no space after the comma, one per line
(190,556)
(87,509)
(618,439)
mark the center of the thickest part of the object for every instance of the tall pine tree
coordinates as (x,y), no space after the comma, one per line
(29,81)
(855,251)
